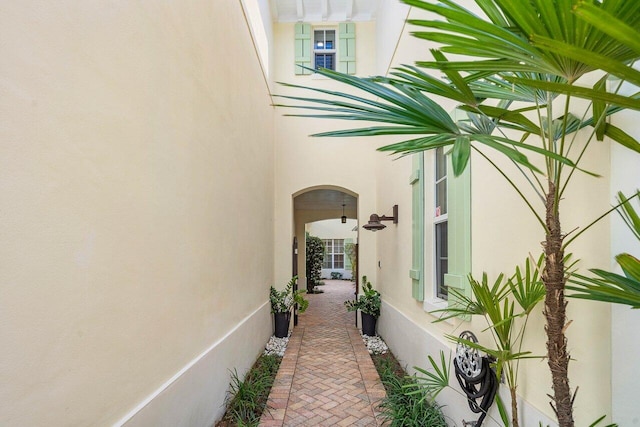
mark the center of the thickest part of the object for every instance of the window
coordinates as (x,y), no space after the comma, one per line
(452,231)
(440,224)
(333,254)
(324,48)
(448,233)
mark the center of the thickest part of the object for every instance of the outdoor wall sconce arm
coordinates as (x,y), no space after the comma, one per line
(375,223)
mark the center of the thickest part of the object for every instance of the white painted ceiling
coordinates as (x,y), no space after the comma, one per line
(323,10)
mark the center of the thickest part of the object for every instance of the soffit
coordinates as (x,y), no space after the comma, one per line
(324,200)
(323,10)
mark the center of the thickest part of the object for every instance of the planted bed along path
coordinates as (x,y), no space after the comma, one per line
(326,377)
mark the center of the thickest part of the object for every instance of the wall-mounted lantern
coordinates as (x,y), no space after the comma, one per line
(375,223)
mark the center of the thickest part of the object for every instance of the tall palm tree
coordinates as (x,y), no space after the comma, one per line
(519,53)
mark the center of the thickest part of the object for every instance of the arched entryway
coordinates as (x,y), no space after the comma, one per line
(335,210)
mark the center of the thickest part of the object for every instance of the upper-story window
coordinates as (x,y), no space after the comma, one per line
(330,48)
(324,49)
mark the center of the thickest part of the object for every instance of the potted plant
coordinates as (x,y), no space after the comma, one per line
(369,306)
(281,304)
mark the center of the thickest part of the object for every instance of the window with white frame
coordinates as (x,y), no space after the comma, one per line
(330,48)
(440,224)
(446,238)
(333,254)
(324,49)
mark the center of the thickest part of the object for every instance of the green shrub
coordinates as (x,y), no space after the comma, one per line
(315,256)
(405,405)
(284,300)
(247,399)
(369,303)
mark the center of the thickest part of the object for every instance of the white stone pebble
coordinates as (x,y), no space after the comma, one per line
(375,345)
(276,346)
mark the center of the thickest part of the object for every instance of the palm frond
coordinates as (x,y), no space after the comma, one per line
(629,214)
(436,380)
(527,287)
(610,287)
(632,101)
(618,29)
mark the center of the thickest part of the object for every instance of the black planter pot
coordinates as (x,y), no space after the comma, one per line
(282,324)
(368,325)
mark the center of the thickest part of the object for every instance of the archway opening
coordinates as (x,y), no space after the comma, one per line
(320,212)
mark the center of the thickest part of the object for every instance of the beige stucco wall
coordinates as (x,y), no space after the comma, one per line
(130,183)
(304,163)
(625,335)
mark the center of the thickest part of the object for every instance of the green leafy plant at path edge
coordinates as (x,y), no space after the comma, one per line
(401,407)
(284,300)
(369,303)
(247,398)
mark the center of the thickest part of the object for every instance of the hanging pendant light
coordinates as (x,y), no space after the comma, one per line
(343,218)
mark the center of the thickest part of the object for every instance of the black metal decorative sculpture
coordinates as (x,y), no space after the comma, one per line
(475,376)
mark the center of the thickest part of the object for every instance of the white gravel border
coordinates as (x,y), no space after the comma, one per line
(276,346)
(375,345)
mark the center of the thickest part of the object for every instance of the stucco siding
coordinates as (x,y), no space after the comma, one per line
(130,182)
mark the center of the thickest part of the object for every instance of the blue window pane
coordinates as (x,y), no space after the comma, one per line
(324,61)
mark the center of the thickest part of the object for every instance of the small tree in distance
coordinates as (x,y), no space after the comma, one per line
(315,257)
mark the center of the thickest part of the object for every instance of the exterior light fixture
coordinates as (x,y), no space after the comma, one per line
(375,223)
(343,218)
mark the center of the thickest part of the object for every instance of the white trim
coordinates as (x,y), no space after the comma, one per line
(250,15)
(186,368)
(316,76)
(431,304)
(438,219)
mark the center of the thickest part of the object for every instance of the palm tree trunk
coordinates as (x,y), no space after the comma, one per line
(514,408)
(555,312)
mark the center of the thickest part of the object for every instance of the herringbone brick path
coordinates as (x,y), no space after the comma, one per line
(326,377)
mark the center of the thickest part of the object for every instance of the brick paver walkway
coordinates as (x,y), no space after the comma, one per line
(326,377)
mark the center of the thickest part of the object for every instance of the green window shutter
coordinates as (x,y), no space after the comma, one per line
(303,48)
(347,48)
(459,228)
(417,228)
